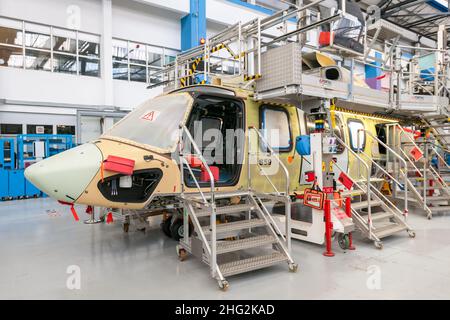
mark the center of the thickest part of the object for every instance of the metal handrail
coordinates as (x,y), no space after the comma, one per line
(403,132)
(403,161)
(272,152)
(286,173)
(369,209)
(185,132)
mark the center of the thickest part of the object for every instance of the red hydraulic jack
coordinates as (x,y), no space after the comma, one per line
(328,228)
(348,211)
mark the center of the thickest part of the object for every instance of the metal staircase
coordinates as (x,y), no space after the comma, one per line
(375,216)
(426,182)
(233,232)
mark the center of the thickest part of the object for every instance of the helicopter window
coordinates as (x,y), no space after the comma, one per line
(276,128)
(155,122)
(216,124)
(354,127)
(381,134)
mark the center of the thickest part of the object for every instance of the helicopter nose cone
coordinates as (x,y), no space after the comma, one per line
(66,175)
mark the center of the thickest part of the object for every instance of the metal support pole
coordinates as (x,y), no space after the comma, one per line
(92,219)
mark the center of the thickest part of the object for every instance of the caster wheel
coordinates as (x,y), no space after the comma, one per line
(126,227)
(177,229)
(223,285)
(165,226)
(429,217)
(378,245)
(343,241)
(411,233)
(293,267)
(181,253)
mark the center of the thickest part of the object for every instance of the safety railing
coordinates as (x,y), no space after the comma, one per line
(397,142)
(367,186)
(285,195)
(211,246)
(271,153)
(384,171)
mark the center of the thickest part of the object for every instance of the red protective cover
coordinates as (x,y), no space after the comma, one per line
(324,38)
(204,176)
(118,164)
(194,161)
(416,153)
(345,180)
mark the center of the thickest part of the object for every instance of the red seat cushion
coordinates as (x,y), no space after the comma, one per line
(204,176)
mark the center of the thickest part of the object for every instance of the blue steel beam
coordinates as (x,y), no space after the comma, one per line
(193,25)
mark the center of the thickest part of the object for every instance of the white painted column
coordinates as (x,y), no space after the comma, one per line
(106,53)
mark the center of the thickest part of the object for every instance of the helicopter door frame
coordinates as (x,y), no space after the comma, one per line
(240,125)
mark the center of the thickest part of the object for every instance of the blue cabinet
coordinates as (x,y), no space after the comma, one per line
(31,190)
(4,184)
(16,183)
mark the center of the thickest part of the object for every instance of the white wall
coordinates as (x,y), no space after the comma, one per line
(139,22)
(128,95)
(46,87)
(55,12)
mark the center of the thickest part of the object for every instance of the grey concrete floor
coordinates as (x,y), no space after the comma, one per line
(38,246)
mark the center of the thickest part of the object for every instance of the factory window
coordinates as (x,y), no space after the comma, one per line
(276,128)
(64,63)
(39,129)
(139,62)
(47,48)
(63,129)
(355,128)
(11,40)
(89,67)
(37,60)
(11,56)
(6,128)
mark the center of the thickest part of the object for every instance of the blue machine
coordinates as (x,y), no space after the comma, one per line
(16,183)
(52,144)
(4,184)
(7,153)
(30,149)
(303,145)
(31,190)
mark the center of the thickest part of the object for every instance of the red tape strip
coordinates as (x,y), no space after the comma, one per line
(74,213)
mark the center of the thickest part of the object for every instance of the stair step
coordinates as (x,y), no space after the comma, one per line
(439,208)
(247,243)
(438,198)
(352,193)
(236,225)
(388,230)
(218,195)
(378,216)
(365,204)
(225,210)
(371,180)
(250,264)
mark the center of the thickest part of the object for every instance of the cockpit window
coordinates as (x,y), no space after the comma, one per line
(155,122)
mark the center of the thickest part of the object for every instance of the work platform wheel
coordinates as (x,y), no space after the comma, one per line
(429,217)
(126,227)
(293,267)
(177,229)
(223,285)
(411,234)
(165,226)
(181,253)
(378,244)
(344,241)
